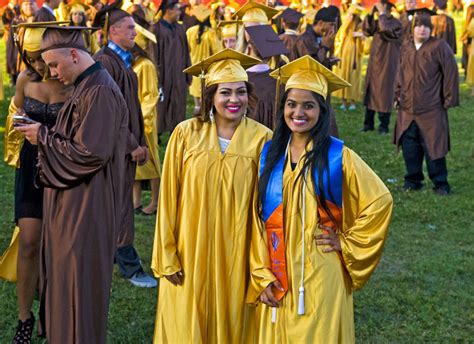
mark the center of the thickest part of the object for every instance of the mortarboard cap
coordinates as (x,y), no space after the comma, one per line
(266,41)
(254,12)
(308,74)
(77,6)
(201,12)
(229,28)
(30,35)
(325,15)
(228,65)
(309,16)
(109,15)
(290,15)
(58,37)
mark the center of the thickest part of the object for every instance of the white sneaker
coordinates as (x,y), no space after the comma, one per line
(143,280)
(352,107)
(342,107)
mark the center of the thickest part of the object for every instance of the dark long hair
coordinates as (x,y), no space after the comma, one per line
(315,160)
(202,27)
(209,93)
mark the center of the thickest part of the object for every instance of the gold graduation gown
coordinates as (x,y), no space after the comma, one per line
(350,50)
(12,139)
(328,279)
(210,45)
(148,96)
(208,226)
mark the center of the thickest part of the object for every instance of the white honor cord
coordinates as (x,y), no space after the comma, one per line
(301,289)
(274,315)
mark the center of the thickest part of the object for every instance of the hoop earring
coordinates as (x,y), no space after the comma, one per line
(211,115)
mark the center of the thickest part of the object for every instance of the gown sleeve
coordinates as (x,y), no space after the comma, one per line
(68,161)
(148,80)
(165,260)
(450,79)
(367,209)
(12,140)
(261,274)
(390,30)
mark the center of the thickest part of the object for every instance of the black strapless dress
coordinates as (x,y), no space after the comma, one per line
(29,195)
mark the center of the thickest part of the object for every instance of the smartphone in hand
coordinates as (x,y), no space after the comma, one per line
(19,120)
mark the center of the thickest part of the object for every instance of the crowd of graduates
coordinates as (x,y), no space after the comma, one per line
(265,221)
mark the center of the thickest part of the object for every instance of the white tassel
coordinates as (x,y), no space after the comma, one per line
(274,315)
(301,301)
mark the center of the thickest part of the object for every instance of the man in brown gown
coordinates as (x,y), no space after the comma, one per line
(172,57)
(443,25)
(116,59)
(46,12)
(428,86)
(290,21)
(264,44)
(383,65)
(81,165)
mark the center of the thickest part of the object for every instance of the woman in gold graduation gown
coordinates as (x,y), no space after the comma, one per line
(148,95)
(203,42)
(332,240)
(349,44)
(77,16)
(208,223)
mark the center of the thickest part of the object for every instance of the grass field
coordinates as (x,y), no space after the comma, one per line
(422,290)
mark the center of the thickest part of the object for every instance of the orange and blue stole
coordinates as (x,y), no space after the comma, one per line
(272,208)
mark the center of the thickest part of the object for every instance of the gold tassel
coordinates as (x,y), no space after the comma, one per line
(106,30)
(202,78)
(277,98)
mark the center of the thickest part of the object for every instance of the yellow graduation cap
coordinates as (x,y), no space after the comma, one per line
(144,32)
(228,65)
(229,28)
(308,74)
(254,12)
(30,35)
(201,12)
(77,6)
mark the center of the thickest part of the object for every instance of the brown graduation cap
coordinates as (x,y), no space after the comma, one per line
(266,41)
(290,15)
(109,15)
(57,37)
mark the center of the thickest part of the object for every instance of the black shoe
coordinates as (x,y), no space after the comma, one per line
(138,210)
(412,187)
(442,191)
(24,331)
(366,128)
(383,131)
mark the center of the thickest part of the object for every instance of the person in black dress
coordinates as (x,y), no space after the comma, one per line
(41,101)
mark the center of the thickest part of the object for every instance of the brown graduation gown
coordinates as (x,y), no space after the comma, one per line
(443,27)
(383,62)
(172,57)
(265,88)
(428,86)
(81,165)
(290,42)
(127,81)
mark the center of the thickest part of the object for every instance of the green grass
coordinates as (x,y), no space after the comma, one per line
(422,290)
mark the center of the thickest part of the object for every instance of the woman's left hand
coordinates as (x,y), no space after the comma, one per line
(331,239)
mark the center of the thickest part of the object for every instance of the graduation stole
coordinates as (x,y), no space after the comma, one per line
(272,209)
